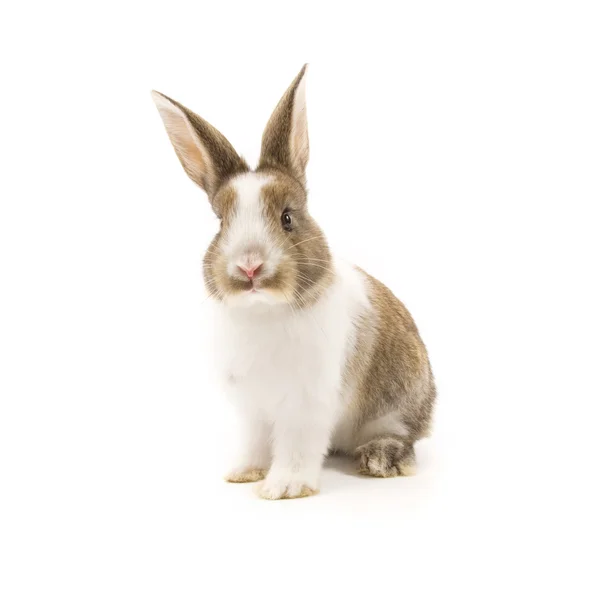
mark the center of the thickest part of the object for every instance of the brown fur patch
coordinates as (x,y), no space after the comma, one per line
(389,369)
(277,150)
(306,250)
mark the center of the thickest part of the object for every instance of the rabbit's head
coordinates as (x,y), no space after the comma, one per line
(268,249)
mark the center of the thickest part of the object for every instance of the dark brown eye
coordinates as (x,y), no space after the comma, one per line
(286,220)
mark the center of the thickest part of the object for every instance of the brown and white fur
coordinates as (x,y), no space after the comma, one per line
(316,354)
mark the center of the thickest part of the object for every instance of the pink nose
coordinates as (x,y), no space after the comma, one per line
(250,270)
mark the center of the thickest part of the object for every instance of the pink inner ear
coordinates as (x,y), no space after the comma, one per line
(189,148)
(299,145)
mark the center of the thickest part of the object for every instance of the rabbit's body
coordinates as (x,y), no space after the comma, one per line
(320,367)
(286,373)
(315,353)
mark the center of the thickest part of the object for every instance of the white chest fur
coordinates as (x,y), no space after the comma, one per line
(284,371)
(270,356)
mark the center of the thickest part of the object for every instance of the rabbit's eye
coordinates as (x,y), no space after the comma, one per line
(286,220)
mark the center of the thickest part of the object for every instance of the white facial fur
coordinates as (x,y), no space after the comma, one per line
(248,241)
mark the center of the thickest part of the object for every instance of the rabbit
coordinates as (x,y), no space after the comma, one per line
(316,355)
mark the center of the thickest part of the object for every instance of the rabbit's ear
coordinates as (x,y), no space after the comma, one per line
(285,139)
(206,155)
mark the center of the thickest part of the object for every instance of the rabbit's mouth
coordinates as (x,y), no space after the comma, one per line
(268,288)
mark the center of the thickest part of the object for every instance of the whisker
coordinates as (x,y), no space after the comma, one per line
(310,281)
(308,290)
(212,252)
(313,258)
(316,322)
(307,295)
(304,255)
(303,241)
(291,304)
(314,265)
(299,300)
(211,295)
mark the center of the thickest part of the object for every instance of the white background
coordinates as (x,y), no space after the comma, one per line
(455,152)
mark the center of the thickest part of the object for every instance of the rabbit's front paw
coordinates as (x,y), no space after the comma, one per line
(283,486)
(245,475)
